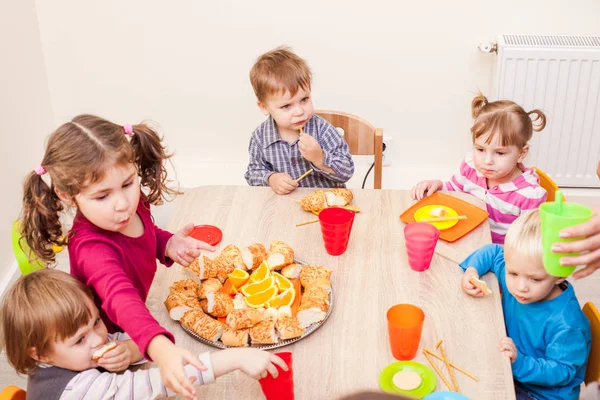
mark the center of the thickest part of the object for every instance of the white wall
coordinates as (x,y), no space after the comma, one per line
(409,67)
(25,116)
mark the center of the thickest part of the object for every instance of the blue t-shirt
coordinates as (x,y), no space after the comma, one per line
(552,337)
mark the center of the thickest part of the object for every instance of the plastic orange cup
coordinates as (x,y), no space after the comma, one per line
(282,387)
(420,239)
(405,324)
(336,224)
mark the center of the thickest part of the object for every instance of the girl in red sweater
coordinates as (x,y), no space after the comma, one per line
(112,174)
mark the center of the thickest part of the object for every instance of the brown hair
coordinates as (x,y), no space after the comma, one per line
(42,307)
(505,118)
(78,154)
(279,70)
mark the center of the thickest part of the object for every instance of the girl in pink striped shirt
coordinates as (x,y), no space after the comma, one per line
(494,170)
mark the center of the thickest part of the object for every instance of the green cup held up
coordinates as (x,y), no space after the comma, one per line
(555,216)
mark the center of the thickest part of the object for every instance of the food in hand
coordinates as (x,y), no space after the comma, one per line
(481,285)
(100,352)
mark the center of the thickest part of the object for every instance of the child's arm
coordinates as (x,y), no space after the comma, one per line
(147,384)
(566,353)
(184,249)
(334,158)
(258,171)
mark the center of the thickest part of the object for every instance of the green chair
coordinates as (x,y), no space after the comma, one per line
(21,254)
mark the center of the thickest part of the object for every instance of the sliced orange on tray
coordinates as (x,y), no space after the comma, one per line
(238,277)
(262,272)
(254,288)
(261,298)
(284,299)
(283,283)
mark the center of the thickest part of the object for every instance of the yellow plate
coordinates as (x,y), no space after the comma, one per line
(424,212)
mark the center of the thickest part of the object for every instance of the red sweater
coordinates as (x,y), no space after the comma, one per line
(120,270)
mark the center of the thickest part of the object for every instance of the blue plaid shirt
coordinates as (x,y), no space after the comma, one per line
(270,154)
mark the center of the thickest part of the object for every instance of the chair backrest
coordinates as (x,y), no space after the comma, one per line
(592,373)
(13,393)
(547,183)
(361,136)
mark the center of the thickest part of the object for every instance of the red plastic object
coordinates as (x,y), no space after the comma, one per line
(207,233)
(282,387)
(475,215)
(405,325)
(420,239)
(336,224)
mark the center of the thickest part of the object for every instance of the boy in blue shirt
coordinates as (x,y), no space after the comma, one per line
(292,140)
(549,337)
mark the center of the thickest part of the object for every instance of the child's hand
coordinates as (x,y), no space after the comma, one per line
(432,186)
(119,358)
(184,249)
(467,286)
(170,360)
(282,183)
(311,149)
(257,363)
(508,348)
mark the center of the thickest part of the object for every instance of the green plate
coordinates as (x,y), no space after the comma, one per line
(427,376)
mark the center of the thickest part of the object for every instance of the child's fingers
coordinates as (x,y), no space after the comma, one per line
(587,271)
(178,388)
(186,229)
(272,369)
(193,360)
(275,359)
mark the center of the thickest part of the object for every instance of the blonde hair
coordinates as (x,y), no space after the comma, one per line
(77,154)
(524,236)
(42,307)
(277,71)
(505,118)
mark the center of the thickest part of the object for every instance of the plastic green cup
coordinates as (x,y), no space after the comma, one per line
(21,253)
(555,216)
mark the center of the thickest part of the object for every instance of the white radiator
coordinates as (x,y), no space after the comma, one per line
(559,75)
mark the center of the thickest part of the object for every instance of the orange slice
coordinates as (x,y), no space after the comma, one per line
(259,299)
(253,288)
(284,299)
(238,277)
(261,272)
(283,283)
(229,288)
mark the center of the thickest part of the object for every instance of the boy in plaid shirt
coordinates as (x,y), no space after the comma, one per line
(293,139)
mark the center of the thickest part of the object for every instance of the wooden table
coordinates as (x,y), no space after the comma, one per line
(349,351)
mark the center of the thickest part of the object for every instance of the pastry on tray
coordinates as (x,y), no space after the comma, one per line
(280,255)
(254,255)
(264,332)
(310,273)
(239,338)
(244,318)
(207,286)
(217,304)
(202,325)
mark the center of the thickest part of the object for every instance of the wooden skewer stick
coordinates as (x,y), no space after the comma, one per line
(449,367)
(304,175)
(435,367)
(443,219)
(312,221)
(456,367)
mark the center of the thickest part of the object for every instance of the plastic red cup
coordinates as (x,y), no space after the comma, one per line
(336,224)
(405,324)
(420,239)
(282,387)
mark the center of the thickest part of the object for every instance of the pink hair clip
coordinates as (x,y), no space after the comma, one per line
(39,170)
(128,129)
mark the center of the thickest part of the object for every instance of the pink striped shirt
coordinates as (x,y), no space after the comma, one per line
(505,202)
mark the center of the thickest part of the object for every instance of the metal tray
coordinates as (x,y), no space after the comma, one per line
(310,329)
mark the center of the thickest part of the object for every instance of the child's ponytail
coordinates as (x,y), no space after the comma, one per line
(149,156)
(41,227)
(477,105)
(539,116)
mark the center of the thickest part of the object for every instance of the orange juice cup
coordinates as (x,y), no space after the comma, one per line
(405,324)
